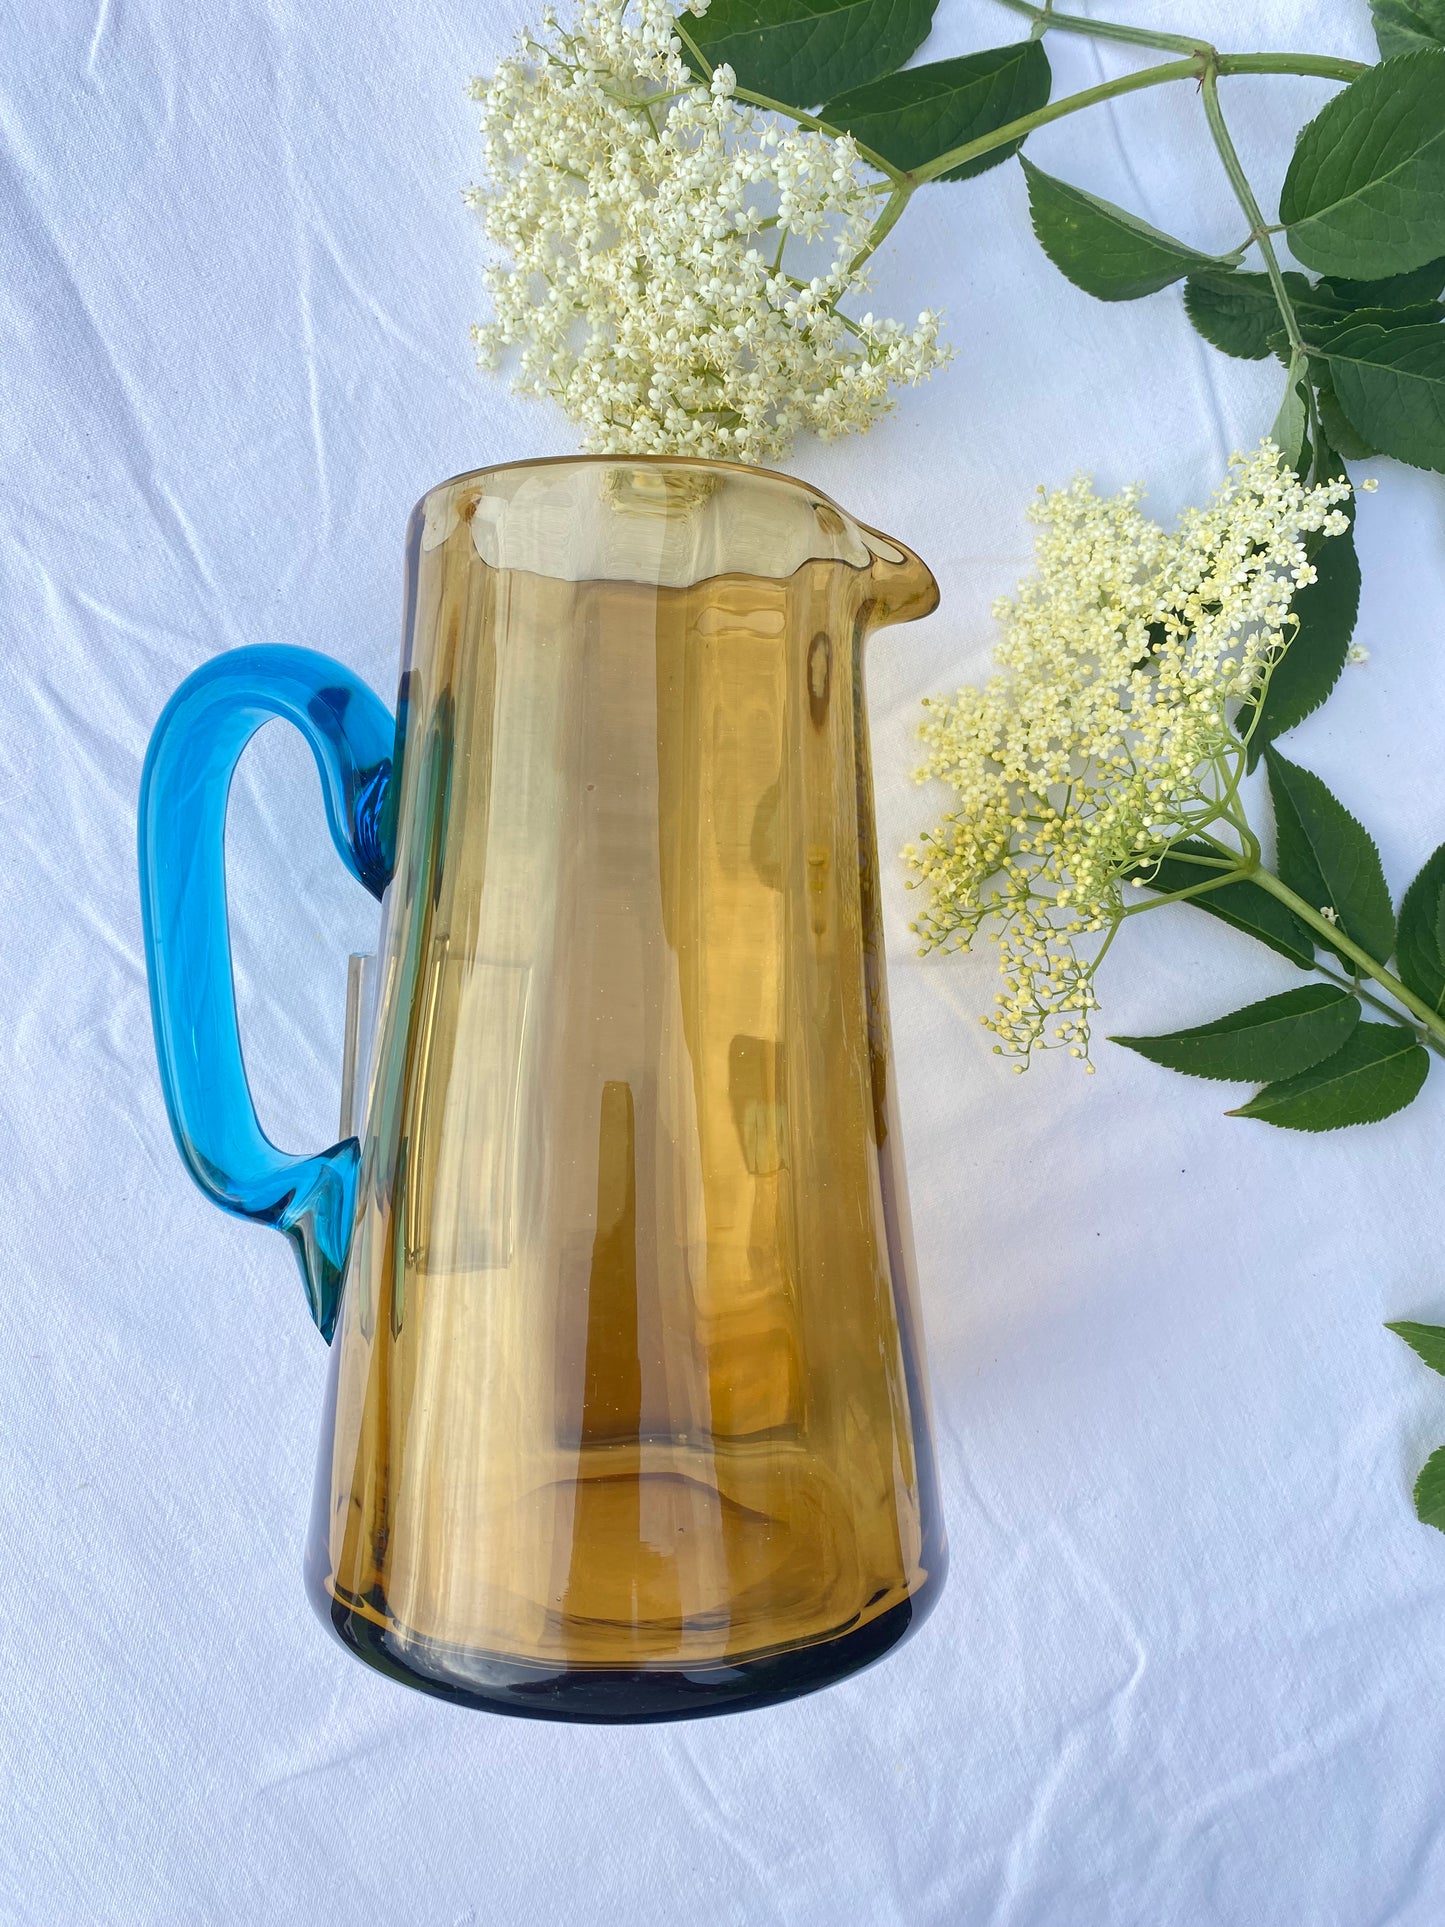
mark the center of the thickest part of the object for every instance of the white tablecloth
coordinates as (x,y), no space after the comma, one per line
(1187,1666)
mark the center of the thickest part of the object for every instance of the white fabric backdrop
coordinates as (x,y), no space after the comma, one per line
(1187,1666)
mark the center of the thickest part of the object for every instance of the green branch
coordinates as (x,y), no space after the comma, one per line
(810,122)
(1237,874)
(1198,67)
(1244,194)
(1319,66)
(1191,69)
(1308,913)
(701,62)
(1357,989)
(888,217)
(1234,866)
(1174,855)
(1203,62)
(1326,66)
(1044,18)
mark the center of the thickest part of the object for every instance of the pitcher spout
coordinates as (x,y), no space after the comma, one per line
(904,586)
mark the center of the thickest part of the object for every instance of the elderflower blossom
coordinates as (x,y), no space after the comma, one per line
(1108,733)
(646,217)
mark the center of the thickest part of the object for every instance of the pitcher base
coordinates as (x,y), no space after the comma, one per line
(596,1695)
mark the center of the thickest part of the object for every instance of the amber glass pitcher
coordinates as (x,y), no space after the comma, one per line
(628,1417)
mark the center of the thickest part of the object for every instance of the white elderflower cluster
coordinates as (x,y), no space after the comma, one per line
(644,219)
(1108,733)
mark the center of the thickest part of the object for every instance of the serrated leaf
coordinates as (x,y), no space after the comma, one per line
(1396,291)
(1274,1038)
(1326,611)
(1342,433)
(913,117)
(1430,1491)
(1364,195)
(1404,26)
(1244,906)
(1377,1071)
(1290,432)
(1236,312)
(1390,382)
(1420,314)
(1420,949)
(806,51)
(1103,249)
(1328,466)
(1328,858)
(1426,1340)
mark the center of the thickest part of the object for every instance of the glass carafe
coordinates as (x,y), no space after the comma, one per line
(627,1414)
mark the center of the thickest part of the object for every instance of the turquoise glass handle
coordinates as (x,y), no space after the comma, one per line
(184,787)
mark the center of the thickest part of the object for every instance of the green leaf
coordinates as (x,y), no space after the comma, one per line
(1328,858)
(1378,1070)
(1427,1340)
(1420,314)
(1397,291)
(1390,382)
(1236,312)
(913,117)
(1290,433)
(1320,315)
(1421,946)
(1326,610)
(804,51)
(1328,466)
(1273,1038)
(1101,248)
(1342,433)
(1244,906)
(1404,26)
(1430,1491)
(1365,192)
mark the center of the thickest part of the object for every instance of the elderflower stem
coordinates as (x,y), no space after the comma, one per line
(1246,868)
(1015,130)
(1198,67)
(812,125)
(1244,194)
(1357,989)
(883,226)
(1325,66)
(1045,18)
(1202,61)
(1235,874)
(1318,66)
(1308,914)
(795,114)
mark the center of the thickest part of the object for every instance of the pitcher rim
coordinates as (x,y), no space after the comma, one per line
(887,554)
(661,461)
